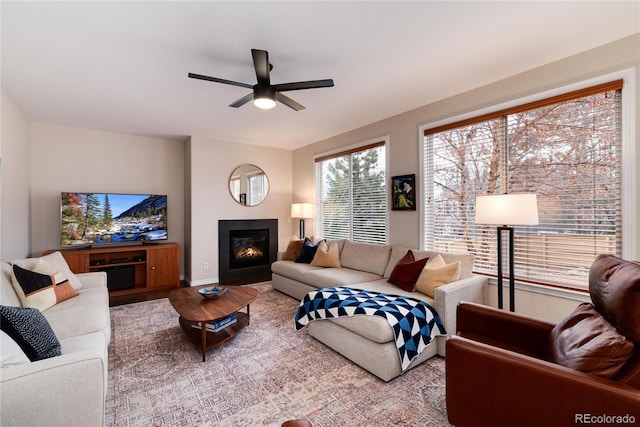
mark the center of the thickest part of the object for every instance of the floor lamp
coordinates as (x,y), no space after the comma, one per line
(302,211)
(507,210)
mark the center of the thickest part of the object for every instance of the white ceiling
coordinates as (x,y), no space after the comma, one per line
(122,66)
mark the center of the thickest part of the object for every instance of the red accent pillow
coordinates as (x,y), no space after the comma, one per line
(406,272)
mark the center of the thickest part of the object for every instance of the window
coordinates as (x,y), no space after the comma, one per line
(234,186)
(351,196)
(258,187)
(567,149)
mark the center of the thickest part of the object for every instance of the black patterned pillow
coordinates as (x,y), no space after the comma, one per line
(31,331)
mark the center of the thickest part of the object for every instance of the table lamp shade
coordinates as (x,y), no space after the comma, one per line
(301,210)
(507,209)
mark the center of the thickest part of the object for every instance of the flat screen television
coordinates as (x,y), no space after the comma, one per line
(111,218)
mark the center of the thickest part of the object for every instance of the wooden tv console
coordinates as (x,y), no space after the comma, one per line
(156,266)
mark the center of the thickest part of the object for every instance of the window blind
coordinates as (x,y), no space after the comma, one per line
(566,149)
(351,194)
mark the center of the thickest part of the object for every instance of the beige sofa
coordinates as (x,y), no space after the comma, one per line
(65,390)
(368,340)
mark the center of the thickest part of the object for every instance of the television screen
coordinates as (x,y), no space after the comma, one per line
(104,218)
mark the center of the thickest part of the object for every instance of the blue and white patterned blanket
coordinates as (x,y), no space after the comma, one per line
(415,323)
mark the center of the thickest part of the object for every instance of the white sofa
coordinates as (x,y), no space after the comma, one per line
(65,390)
(368,340)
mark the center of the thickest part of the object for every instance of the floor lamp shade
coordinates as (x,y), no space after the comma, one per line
(506,210)
(302,211)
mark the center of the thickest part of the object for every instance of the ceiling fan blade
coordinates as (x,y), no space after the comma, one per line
(217,80)
(240,102)
(312,84)
(261,64)
(289,102)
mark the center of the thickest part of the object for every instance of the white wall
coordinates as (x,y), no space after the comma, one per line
(403,151)
(15,180)
(212,162)
(72,159)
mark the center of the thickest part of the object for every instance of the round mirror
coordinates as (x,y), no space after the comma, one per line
(248,185)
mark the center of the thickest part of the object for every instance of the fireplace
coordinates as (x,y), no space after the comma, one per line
(246,249)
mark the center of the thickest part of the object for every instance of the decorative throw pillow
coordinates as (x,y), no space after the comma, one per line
(31,331)
(585,341)
(41,288)
(327,255)
(308,251)
(294,249)
(59,263)
(437,273)
(406,272)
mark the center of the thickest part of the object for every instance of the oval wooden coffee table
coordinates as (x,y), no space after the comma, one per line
(194,309)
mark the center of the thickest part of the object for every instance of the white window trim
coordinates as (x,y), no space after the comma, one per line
(386,167)
(629,175)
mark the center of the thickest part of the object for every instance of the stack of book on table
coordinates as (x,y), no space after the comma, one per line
(218,325)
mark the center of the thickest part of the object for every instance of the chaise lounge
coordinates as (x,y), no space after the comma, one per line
(368,340)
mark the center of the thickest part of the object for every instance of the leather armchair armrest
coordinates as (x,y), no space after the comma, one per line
(497,387)
(502,329)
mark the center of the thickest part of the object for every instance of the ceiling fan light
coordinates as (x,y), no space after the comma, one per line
(264,103)
(264,97)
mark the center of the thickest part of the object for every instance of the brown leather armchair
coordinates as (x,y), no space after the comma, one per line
(505,369)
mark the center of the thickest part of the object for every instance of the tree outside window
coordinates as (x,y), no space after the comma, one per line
(567,152)
(351,196)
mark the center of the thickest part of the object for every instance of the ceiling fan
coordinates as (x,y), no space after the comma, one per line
(265,94)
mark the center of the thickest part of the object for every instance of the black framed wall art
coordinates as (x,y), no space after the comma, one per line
(403,192)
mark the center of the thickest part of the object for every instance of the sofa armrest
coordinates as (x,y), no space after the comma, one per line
(503,329)
(492,386)
(93,279)
(63,390)
(447,297)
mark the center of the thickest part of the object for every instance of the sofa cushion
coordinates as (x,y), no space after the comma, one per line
(31,331)
(89,307)
(10,352)
(309,250)
(292,270)
(614,285)
(327,255)
(367,257)
(437,273)
(585,341)
(294,249)
(41,288)
(382,285)
(407,271)
(330,277)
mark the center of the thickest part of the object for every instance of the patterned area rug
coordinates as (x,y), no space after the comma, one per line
(267,374)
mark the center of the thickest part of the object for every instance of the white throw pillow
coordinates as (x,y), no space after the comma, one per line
(57,260)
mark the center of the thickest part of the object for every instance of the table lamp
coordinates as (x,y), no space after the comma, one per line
(302,211)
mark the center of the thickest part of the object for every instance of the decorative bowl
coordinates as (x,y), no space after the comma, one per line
(212,292)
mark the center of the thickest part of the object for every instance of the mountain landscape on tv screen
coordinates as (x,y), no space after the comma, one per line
(101,218)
